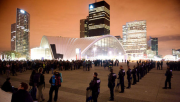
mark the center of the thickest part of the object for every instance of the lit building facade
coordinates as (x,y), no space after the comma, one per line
(89,48)
(176,53)
(99,19)
(22,33)
(134,38)
(154,45)
(13,37)
(83,28)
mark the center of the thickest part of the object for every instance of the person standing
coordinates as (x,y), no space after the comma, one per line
(40,83)
(161,64)
(134,71)
(111,84)
(22,95)
(129,77)
(52,67)
(138,71)
(31,83)
(55,82)
(121,78)
(95,87)
(168,75)
(158,65)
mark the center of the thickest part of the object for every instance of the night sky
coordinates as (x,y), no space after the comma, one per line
(62,18)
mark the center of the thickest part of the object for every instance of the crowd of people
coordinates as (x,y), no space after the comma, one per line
(39,68)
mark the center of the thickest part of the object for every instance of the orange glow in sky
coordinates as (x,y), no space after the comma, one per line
(62,18)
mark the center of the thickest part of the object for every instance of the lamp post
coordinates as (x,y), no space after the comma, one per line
(94,49)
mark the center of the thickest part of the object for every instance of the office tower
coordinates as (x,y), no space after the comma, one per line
(99,19)
(83,28)
(134,38)
(13,37)
(154,45)
(22,33)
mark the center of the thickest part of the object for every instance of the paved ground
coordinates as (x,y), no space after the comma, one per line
(75,82)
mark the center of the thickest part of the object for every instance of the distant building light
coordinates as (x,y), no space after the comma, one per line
(91,7)
(22,11)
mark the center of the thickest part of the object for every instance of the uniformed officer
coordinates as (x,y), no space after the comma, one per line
(129,77)
(121,78)
(111,84)
(95,87)
(168,75)
(138,71)
(134,71)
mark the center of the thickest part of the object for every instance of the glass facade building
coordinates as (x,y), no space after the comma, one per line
(134,38)
(99,19)
(22,33)
(154,45)
(13,37)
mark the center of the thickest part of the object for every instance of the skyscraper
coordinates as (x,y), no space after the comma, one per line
(83,28)
(13,37)
(154,45)
(99,19)
(22,32)
(134,38)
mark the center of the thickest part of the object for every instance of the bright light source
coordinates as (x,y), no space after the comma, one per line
(94,49)
(22,11)
(110,52)
(91,7)
(119,53)
(77,50)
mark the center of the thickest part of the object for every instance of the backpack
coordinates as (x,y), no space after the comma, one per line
(56,80)
(37,79)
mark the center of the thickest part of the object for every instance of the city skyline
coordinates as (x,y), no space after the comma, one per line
(162,18)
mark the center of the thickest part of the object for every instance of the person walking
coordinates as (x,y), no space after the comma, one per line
(168,75)
(95,87)
(121,78)
(111,84)
(55,82)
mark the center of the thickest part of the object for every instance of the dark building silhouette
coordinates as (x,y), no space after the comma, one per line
(154,45)
(83,28)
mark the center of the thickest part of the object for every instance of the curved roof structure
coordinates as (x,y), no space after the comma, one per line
(67,46)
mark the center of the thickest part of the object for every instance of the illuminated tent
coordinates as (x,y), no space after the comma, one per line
(54,47)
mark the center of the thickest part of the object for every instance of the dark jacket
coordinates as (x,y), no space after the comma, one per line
(7,86)
(94,85)
(121,74)
(128,73)
(111,80)
(42,80)
(168,74)
(21,96)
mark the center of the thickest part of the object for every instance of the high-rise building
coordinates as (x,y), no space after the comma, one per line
(13,37)
(22,33)
(154,45)
(83,28)
(99,19)
(134,38)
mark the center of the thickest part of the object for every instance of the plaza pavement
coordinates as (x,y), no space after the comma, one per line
(75,82)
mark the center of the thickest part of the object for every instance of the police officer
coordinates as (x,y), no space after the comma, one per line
(168,75)
(95,87)
(134,75)
(129,77)
(111,84)
(121,78)
(138,71)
